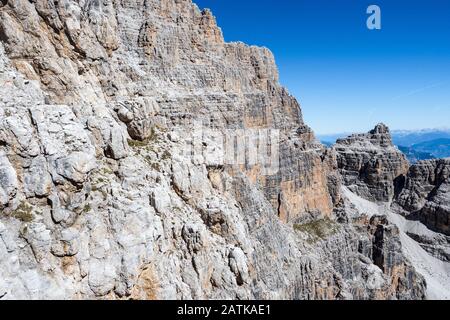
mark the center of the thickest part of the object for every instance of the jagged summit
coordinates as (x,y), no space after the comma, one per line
(380,128)
(370,163)
(380,136)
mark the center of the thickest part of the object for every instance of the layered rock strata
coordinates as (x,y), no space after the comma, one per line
(99,198)
(109,53)
(371,166)
(426,194)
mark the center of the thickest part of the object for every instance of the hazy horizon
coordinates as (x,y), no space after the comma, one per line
(348,78)
(437,129)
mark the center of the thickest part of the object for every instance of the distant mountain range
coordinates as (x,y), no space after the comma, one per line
(410,138)
(439,148)
(416,145)
(414,155)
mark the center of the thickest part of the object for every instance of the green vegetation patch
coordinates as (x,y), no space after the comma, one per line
(153,137)
(318,229)
(137,143)
(24,212)
(87,208)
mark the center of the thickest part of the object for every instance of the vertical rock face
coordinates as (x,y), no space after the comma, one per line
(426,194)
(370,164)
(387,253)
(99,198)
(102,52)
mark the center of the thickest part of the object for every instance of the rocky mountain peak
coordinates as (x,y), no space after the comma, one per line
(370,164)
(380,128)
(379,137)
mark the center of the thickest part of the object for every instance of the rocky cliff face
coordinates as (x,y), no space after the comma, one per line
(370,164)
(374,169)
(125,54)
(99,197)
(426,194)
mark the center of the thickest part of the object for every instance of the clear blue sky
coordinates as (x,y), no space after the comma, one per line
(346,77)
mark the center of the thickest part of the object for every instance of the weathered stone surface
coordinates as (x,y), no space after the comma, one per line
(142,62)
(8,180)
(387,255)
(370,164)
(37,180)
(138,115)
(97,100)
(108,134)
(437,244)
(64,141)
(426,194)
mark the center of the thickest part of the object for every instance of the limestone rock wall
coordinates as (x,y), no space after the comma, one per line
(426,194)
(98,198)
(94,52)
